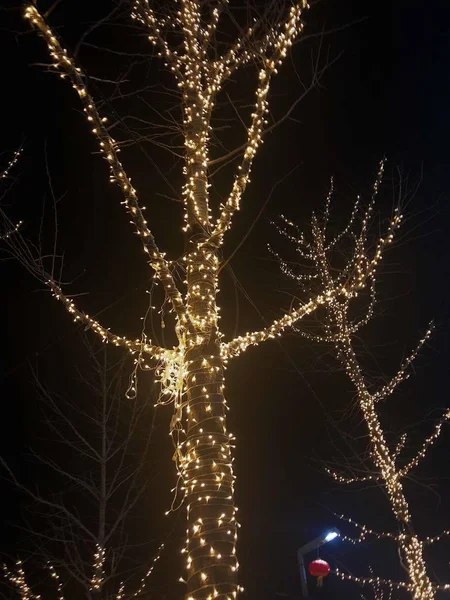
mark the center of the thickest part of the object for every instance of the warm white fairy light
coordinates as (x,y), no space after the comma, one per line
(338,329)
(437,538)
(365,532)
(378,591)
(241,343)
(146,15)
(379,581)
(12,229)
(105,334)
(348,480)
(98,576)
(11,164)
(59,585)
(292,29)
(121,593)
(404,372)
(426,445)
(65,65)
(144,579)
(400,445)
(18,580)
(5,236)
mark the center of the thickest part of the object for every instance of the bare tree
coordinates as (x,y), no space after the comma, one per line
(186,35)
(333,262)
(81,527)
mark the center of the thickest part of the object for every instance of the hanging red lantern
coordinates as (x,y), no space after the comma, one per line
(319,568)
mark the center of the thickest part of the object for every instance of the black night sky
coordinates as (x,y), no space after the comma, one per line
(386,93)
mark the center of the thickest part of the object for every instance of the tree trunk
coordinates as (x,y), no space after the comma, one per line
(410,546)
(211,519)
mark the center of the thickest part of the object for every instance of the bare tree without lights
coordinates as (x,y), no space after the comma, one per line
(80,530)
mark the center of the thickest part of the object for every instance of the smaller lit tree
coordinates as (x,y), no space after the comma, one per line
(340,261)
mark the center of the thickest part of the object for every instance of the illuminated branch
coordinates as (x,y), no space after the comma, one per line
(201,78)
(378,591)
(357,324)
(349,480)
(298,240)
(365,531)
(392,585)
(426,445)
(361,254)
(19,582)
(66,67)
(11,228)
(326,211)
(346,230)
(437,538)
(25,254)
(402,374)
(58,582)
(301,278)
(253,142)
(333,289)
(5,236)
(246,48)
(144,579)
(292,28)
(12,163)
(241,343)
(400,445)
(98,576)
(79,316)
(146,15)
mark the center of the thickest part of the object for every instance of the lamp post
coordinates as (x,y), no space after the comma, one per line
(329,536)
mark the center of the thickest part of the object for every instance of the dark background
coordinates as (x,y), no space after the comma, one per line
(387,94)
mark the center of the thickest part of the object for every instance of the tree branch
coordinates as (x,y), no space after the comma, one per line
(292,28)
(402,374)
(38,498)
(79,316)
(426,445)
(241,343)
(66,67)
(371,580)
